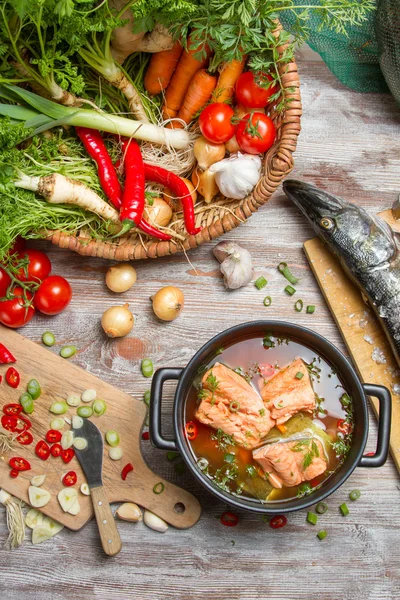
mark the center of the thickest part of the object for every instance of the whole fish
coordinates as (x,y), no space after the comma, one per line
(368,250)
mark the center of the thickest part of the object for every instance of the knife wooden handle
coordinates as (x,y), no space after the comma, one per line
(110,539)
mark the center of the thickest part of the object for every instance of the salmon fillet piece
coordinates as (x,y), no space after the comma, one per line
(250,423)
(285,395)
(290,463)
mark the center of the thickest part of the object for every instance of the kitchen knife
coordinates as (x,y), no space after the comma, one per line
(91,461)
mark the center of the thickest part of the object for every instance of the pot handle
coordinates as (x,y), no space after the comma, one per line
(384,422)
(159,378)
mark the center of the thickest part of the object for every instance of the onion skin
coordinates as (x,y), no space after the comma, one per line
(117,321)
(159,213)
(120,277)
(204,182)
(168,303)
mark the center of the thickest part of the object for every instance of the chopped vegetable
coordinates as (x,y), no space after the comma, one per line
(69,479)
(127,469)
(191,431)
(12,377)
(129,512)
(117,321)
(234,406)
(77,422)
(9,423)
(85,490)
(88,395)
(59,408)
(99,407)
(33,518)
(42,450)
(168,303)
(312,518)
(260,283)
(57,423)
(159,488)
(298,307)
(56,450)
(202,463)
(5,356)
(67,455)
(278,521)
(19,464)
(53,436)
(229,519)
(12,409)
(73,400)
(26,402)
(34,389)
(322,534)
(290,290)
(147,367)
(146,397)
(171,455)
(80,443)
(41,533)
(67,498)
(310,309)
(85,411)
(344,509)
(321,508)
(38,480)
(67,439)
(197,95)
(75,509)
(145,435)
(154,522)
(14,473)
(354,495)
(48,338)
(68,351)
(25,438)
(285,271)
(54,526)
(115,453)
(299,375)
(38,497)
(267,301)
(113,438)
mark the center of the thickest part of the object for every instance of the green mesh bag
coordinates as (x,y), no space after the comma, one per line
(387,29)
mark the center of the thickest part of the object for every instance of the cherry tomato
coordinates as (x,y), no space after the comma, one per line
(38,267)
(12,409)
(229,519)
(191,430)
(12,377)
(255,133)
(56,450)
(53,436)
(14,473)
(25,438)
(216,122)
(18,245)
(67,455)
(5,281)
(20,464)
(53,295)
(278,521)
(42,450)
(14,313)
(252,91)
(70,479)
(344,427)
(9,423)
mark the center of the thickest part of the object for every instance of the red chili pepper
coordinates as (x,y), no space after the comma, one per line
(9,423)
(12,377)
(22,424)
(344,427)
(42,450)
(229,519)
(70,479)
(25,438)
(56,450)
(19,463)
(179,188)
(278,521)
(5,356)
(191,431)
(95,147)
(1,378)
(14,473)
(53,436)
(67,455)
(12,409)
(127,469)
(145,435)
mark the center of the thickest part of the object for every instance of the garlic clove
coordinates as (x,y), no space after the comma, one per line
(129,512)
(154,522)
(236,264)
(207,153)
(205,183)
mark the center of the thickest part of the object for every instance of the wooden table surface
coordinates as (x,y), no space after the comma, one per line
(350,144)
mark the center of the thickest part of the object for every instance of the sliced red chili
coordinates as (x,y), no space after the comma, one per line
(23,423)
(70,479)
(127,469)
(9,423)
(67,455)
(53,436)
(19,463)
(5,356)
(370,454)
(12,409)
(25,438)
(14,473)
(56,450)
(12,377)
(145,435)
(42,450)
(344,427)
(229,519)
(278,521)
(191,430)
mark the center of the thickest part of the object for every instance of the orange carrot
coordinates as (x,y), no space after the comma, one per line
(188,65)
(282,428)
(228,76)
(197,95)
(161,68)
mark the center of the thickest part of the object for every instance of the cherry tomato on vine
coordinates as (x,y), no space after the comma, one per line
(215,122)
(252,91)
(255,133)
(54,294)
(37,268)
(16,312)
(5,281)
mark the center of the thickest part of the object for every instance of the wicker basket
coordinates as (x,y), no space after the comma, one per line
(223,214)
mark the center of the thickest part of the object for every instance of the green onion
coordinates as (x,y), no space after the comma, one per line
(344,509)
(179,468)
(251,470)
(85,411)
(34,389)
(234,406)
(321,508)
(310,309)
(220,351)
(48,338)
(112,438)
(312,518)
(267,301)
(67,351)
(354,495)
(229,458)
(172,455)
(147,367)
(202,463)
(26,401)
(99,407)
(345,400)
(146,397)
(268,342)
(290,290)
(285,271)
(57,423)
(159,488)
(59,408)
(260,283)
(298,307)
(299,375)
(322,534)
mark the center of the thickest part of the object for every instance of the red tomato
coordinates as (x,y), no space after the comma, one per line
(191,430)
(9,423)
(278,521)
(216,122)
(18,245)
(53,295)
(250,94)
(12,377)
(5,281)
(42,450)
(255,133)
(25,438)
(53,436)
(14,473)
(56,450)
(12,409)
(14,313)
(67,455)
(38,267)
(18,463)
(70,478)
(229,519)
(344,427)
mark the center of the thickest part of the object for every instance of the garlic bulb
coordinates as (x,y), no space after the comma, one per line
(237,175)
(205,183)
(236,264)
(207,153)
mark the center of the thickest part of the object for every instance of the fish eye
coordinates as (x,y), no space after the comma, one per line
(326,223)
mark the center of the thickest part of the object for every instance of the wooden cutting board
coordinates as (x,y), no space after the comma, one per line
(359,327)
(58,378)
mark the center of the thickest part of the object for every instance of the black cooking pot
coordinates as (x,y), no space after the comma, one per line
(322,347)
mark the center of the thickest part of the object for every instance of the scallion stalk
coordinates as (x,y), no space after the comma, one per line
(310,309)
(285,271)
(260,283)
(290,290)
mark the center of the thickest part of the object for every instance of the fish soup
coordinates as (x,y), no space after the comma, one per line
(268,419)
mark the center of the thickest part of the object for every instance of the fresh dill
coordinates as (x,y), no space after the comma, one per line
(310,449)
(313,369)
(223,439)
(225,475)
(304,489)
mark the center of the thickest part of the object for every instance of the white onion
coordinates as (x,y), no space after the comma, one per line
(117,321)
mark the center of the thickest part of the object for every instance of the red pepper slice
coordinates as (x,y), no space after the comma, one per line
(42,450)
(145,435)
(67,455)
(229,519)
(12,409)
(278,521)
(70,479)
(23,423)
(53,436)
(370,454)
(191,431)
(127,469)
(19,463)
(25,438)
(14,473)
(12,377)
(1,378)
(344,427)
(9,423)
(56,450)
(5,356)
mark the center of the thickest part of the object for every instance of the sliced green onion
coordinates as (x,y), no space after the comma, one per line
(299,375)
(115,453)
(321,508)
(202,463)
(267,342)
(57,424)
(229,458)
(59,408)
(73,400)
(267,301)
(354,495)
(159,488)
(252,471)
(112,438)
(260,283)
(344,509)
(298,307)
(34,389)
(99,407)
(85,411)
(67,351)
(48,338)
(290,290)
(26,401)
(312,518)
(234,406)
(322,534)
(220,350)
(345,400)
(147,367)
(146,397)
(310,309)
(171,455)
(80,443)
(285,271)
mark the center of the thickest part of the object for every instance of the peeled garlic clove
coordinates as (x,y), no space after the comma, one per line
(154,522)
(159,213)
(129,512)
(207,153)
(204,182)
